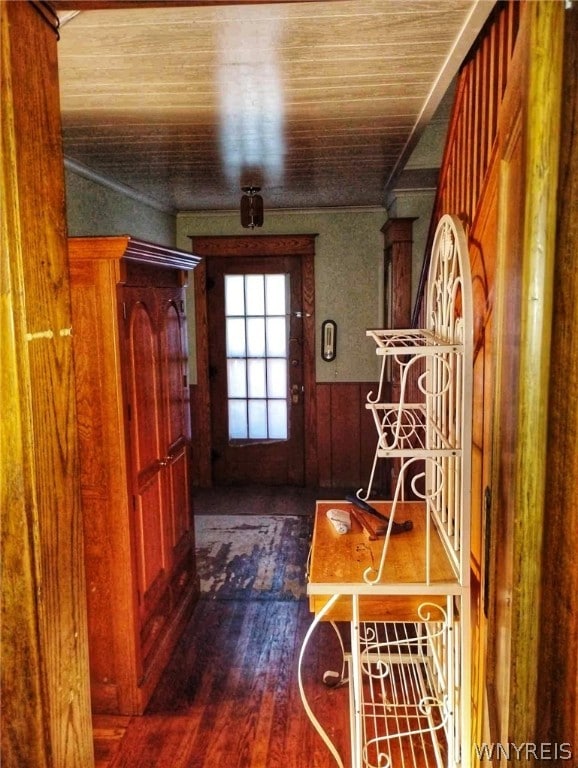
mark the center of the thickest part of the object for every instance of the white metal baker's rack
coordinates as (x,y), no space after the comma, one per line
(409,682)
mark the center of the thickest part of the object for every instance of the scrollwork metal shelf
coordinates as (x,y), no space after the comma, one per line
(409,677)
(405,685)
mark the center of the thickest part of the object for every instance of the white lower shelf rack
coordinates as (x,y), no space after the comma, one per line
(405,689)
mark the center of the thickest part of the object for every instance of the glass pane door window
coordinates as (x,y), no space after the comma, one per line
(256,322)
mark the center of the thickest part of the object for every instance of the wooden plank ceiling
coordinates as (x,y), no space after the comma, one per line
(318,103)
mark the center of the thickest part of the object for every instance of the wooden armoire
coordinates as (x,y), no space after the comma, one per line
(130,349)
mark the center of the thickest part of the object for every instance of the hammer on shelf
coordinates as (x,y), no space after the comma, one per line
(396,527)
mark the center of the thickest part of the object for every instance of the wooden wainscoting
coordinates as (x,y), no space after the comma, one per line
(344,438)
(346,435)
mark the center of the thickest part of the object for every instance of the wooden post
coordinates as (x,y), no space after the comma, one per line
(558,661)
(398,239)
(46,719)
(542,134)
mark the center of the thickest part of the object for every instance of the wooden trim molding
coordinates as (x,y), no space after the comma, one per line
(92,5)
(48,13)
(253,246)
(201,402)
(131,249)
(398,241)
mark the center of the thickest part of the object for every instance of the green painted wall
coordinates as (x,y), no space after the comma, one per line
(348,276)
(95,209)
(348,259)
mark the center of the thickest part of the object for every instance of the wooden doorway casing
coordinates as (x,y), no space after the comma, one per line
(263,459)
(253,246)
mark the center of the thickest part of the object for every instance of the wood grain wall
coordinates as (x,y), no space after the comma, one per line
(346,435)
(469,185)
(46,719)
(499,175)
(558,657)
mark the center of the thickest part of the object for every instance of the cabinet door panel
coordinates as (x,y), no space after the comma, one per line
(150,541)
(143,383)
(173,350)
(147,456)
(179,502)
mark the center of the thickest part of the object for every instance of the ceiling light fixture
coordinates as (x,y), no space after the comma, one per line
(251,208)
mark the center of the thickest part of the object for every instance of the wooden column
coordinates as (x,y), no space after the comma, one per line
(558,661)
(45,680)
(542,136)
(398,239)
(397,242)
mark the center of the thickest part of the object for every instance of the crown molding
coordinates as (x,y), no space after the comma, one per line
(116,186)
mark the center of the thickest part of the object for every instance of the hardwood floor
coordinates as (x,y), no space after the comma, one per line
(230,696)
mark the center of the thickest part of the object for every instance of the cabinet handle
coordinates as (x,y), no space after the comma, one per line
(164,462)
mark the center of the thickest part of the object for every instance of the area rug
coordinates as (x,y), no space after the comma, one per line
(252,557)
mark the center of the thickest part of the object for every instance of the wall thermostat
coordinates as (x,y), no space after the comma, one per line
(329,340)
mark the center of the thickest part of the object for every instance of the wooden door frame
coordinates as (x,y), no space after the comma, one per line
(543,99)
(46,719)
(524,466)
(224,246)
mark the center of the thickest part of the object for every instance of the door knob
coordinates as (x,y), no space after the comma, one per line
(296,390)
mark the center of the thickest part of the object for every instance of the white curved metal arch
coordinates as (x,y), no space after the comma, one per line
(450,278)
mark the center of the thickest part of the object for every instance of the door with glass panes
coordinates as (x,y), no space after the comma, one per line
(256,370)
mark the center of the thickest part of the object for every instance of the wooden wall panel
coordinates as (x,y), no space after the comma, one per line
(397,241)
(472,133)
(200,393)
(482,258)
(345,426)
(346,435)
(541,109)
(368,442)
(323,436)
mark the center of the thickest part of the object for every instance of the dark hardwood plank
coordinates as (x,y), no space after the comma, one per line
(346,435)
(108,732)
(230,695)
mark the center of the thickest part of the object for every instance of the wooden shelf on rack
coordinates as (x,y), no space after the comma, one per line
(338,561)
